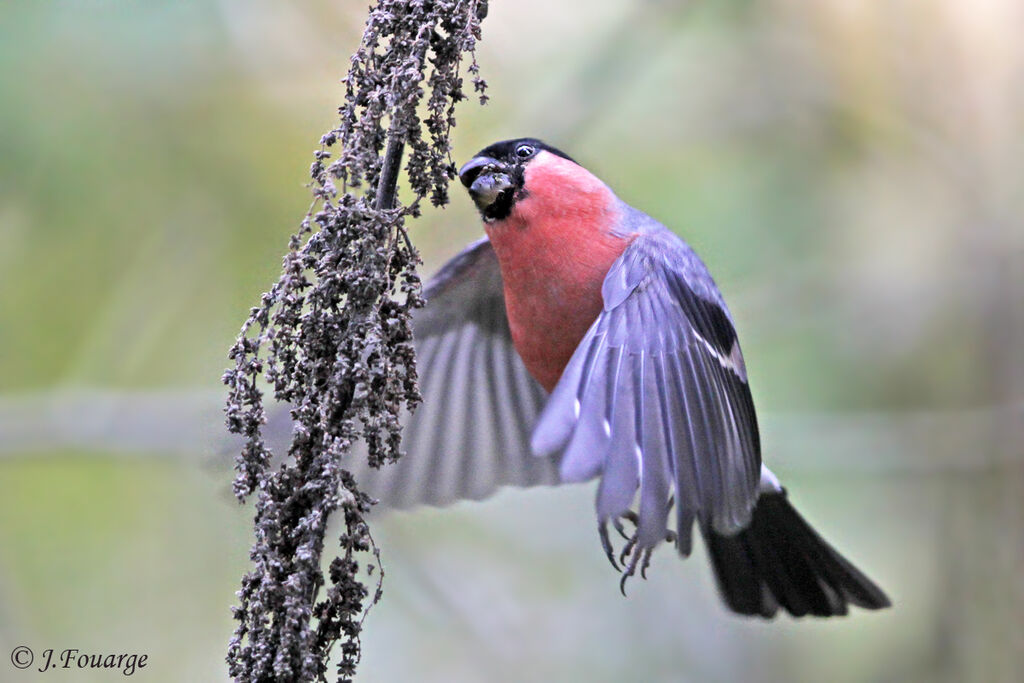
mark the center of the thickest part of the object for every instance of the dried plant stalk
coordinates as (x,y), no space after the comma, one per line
(332,338)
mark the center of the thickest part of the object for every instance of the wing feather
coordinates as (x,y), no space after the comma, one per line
(471,433)
(661,368)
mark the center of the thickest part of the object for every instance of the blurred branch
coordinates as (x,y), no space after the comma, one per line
(143,424)
(186,425)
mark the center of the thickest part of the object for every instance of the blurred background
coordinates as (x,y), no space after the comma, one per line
(851,171)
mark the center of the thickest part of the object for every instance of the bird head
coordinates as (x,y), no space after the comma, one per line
(497,176)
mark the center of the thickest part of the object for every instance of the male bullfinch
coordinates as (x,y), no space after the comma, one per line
(580,339)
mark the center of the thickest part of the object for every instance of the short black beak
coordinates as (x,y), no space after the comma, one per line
(474,167)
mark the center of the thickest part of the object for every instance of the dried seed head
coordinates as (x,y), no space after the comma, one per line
(332,338)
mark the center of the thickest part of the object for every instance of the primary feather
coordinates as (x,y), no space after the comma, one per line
(655,398)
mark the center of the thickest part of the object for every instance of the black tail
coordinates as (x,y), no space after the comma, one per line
(780,560)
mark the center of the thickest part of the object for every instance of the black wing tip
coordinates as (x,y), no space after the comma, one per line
(780,561)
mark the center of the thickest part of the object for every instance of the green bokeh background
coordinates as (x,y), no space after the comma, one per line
(851,171)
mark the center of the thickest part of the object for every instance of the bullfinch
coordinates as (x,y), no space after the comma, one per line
(579,339)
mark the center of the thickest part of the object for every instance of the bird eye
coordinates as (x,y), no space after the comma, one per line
(525,151)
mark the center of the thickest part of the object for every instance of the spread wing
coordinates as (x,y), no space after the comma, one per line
(470,435)
(655,398)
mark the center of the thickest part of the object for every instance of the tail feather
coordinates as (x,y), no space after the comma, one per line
(779,560)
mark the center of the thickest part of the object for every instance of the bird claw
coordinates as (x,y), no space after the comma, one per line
(631,556)
(628,515)
(641,558)
(606,543)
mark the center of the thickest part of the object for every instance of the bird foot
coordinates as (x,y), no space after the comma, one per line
(632,556)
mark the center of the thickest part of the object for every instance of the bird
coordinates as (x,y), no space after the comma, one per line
(582,339)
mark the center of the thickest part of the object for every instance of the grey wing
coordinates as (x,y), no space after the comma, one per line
(470,435)
(655,398)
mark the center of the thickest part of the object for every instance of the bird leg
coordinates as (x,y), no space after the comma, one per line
(632,555)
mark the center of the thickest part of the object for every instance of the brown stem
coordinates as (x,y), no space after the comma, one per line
(387,188)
